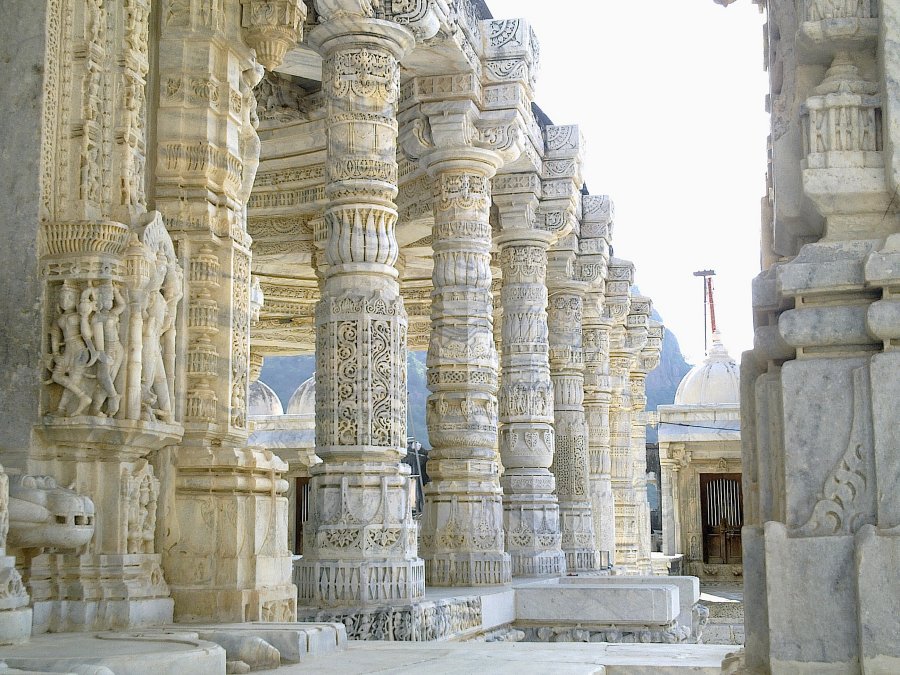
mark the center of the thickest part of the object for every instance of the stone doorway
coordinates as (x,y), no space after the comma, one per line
(721,500)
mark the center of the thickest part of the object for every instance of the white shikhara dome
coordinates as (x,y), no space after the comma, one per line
(303,400)
(715,381)
(263,401)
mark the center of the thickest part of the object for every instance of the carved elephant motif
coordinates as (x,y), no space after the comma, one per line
(44,515)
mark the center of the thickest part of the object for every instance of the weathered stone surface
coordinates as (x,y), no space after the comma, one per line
(598,604)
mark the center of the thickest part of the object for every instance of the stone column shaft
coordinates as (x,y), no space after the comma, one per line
(668,503)
(616,307)
(531,509)
(570,460)
(360,539)
(639,457)
(597,397)
(208,152)
(463,544)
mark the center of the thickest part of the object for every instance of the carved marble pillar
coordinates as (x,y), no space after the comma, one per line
(637,338)
(530,505)
(570,459)
(592,268)
(236,566)
(597,400)
(617,304)
(463,541)
(112,286)
(360,539)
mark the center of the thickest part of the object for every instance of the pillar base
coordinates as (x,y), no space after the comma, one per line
(355,583)
(15,614)
(583,560)
(15,626)
(538,564)
(407,622)
(277,603)
(467,569)
(98,592)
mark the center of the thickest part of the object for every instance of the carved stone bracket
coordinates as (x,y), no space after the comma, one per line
(272,27)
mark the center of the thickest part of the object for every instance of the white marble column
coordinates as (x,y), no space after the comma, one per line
(360,540)
(637,382)
(617,305)
(593,263)
(463,542)
(570,460)
(237,566)
(597,399)
(637,336)
(531,508)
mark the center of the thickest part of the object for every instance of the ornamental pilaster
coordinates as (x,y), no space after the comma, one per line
(360,539)
(112,289)
(461,149)
(570,460)
(208,154)
(592,268)
(530,506)
(671,459)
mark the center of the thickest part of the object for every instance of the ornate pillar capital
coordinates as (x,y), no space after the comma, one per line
(272,27)
(457,135)
(423,18)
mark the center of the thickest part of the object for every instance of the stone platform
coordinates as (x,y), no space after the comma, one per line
(160,653)
(176,650)
(599,608)
(610,609)
(518,658)
(726,614)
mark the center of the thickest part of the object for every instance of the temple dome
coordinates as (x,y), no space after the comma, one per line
(716,381)
(263,401)
(303,400)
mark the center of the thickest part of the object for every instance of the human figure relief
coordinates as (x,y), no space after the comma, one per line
(72,351)
(142,493)
(154,384)
(104,324)
(249,139)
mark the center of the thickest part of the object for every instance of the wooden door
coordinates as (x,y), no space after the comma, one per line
(722,505)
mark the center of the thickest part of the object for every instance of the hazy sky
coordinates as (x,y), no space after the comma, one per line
(669,95)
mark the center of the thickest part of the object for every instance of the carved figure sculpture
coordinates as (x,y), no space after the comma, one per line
(72,352)
(44,515)
(249,139)
(104,327)
(141,492)
(157,322)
